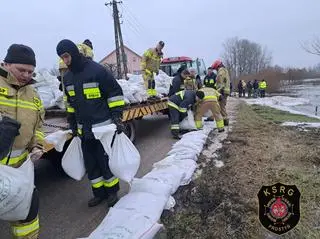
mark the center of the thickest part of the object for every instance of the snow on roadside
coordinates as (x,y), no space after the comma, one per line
(282,103)
(301,124)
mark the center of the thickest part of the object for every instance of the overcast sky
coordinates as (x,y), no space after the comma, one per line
(195,28)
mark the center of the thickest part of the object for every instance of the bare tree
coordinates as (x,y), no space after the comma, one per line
(312,47)
(243,57)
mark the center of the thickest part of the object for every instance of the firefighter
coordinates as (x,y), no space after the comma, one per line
(209,103)
(20,102)
(223,86)
(210,78)
(150,64)
(190,83)
(262,88)
(95,99)
(178,105)
(86,49)
(178,82)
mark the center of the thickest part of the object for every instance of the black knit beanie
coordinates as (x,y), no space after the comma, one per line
(20,54)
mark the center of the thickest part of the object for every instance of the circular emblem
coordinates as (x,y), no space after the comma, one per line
(279,209)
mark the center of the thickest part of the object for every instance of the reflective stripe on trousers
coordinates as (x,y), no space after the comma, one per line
(28,230)
(100,182)
(175,126)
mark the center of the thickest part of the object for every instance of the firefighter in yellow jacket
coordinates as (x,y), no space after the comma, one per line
(20,102)
(209,103)
(86,49)
(150,64)
(223,86)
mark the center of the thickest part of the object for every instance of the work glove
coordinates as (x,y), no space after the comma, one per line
(36,153)
(120,126)
(9,129)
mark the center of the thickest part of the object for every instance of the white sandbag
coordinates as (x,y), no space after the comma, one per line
(72,161)
(124,161)
(47,86)
(150,185)
(105,135)
(16,189)
(187,166)
(181,151)
(188,122)
(58,139)
(125,224)
(146,204)
(171,176)
(188,145)
(124,158)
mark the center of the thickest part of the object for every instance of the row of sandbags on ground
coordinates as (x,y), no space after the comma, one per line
(137,214)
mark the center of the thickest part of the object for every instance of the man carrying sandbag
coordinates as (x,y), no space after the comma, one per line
(22,114)
(94,99)
(178,105)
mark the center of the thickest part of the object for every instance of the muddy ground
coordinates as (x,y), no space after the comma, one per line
(222,202)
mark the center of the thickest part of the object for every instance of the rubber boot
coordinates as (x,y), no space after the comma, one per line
(112,199)
(226,122)
(221,130)
(175,134)
(95,201)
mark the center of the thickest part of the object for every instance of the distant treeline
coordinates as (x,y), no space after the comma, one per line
(279,78)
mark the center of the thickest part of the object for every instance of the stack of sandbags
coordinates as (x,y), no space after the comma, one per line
(47,86)
(163,82)
(134,89)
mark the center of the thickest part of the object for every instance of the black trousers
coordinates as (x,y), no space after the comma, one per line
(96,161)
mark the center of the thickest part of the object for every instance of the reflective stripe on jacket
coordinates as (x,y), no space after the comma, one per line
(210,94)
(262,85)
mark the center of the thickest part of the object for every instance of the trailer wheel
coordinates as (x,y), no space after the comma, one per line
(130,130)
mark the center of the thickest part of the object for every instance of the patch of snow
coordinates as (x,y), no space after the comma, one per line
(282,103)
(302,124)
(218,163)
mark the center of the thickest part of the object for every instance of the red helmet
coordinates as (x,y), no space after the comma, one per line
(216,64)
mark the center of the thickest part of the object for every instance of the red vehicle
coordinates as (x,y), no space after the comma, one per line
(171,65)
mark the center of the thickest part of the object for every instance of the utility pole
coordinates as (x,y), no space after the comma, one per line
(120,53)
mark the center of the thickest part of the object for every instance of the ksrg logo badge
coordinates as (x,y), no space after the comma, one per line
(279,207)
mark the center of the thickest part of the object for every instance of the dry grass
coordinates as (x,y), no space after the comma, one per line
(223,203)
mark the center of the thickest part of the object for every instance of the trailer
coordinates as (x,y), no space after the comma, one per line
(57,120)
